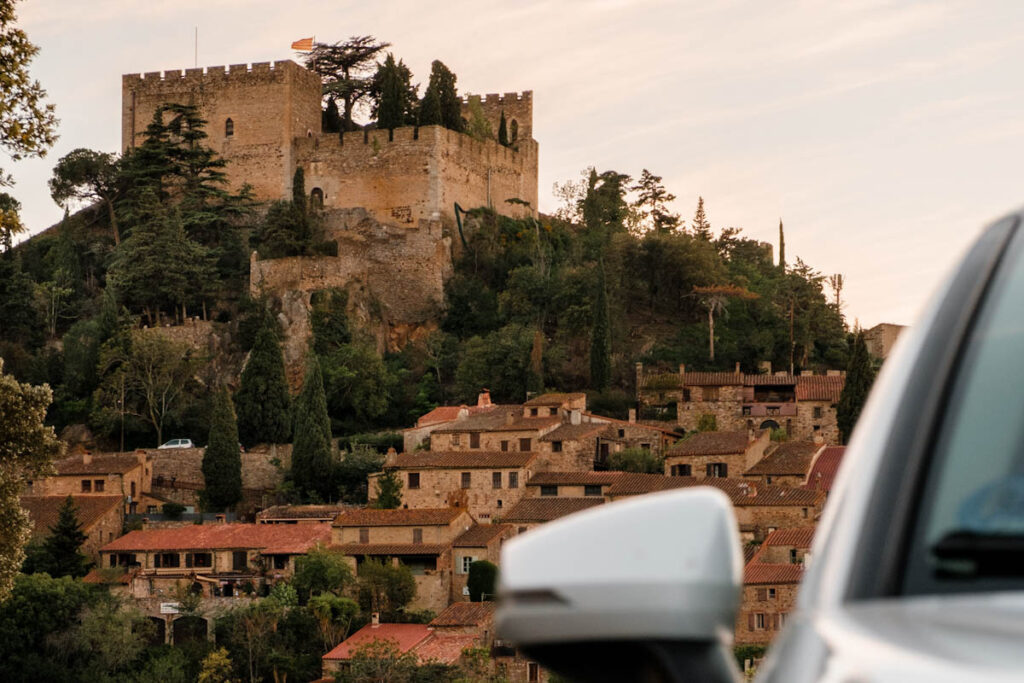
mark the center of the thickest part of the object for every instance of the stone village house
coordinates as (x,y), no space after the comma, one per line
(101,517)
(127,475)
(770,582)
(717,454)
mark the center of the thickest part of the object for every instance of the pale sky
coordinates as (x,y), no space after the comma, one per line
(884,134)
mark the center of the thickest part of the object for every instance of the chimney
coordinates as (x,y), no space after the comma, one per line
(832,373)
(463,413)
(807,373)
(483,400)
(391,459)
(375,619)
(682,373)
(737,367)
(632,415)
(86,458)
(575,417)
(639,376)
(145,523)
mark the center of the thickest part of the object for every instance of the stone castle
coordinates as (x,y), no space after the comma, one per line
(387,198)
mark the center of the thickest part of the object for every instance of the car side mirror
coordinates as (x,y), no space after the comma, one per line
(644,589)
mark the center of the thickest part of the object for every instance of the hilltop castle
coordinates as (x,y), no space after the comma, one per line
(387,198)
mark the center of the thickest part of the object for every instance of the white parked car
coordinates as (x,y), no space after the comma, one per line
(178,443)
(918,564)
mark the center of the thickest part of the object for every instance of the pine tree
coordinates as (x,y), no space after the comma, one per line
(62,548)
(860,375)
(389,491)
(701,226)
(653,201)
(503,130)
(311,451)
(222,460)
(600,338)
(262,402)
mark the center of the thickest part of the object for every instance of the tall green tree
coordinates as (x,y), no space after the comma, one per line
(483,576)
(346,71)
(222,461)
(394,94)
(384,587)
(503,130)
(262,401)
(442,87)
(860,375)
(430,109)
(86,176)
(652,201)
(600,337)
(62,549)
(311,451)
(27,450)
(10,221)
(321,571)
(389,490)
(700,226)
(27,124)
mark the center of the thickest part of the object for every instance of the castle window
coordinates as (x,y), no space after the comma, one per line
(316,199)
(229,128)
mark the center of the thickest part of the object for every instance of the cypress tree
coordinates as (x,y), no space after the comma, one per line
(262,401)
(389,491)
(390,112)
(299,191)
(483,576)
(311,452)
(449,106)
(600,338)
(430,109)
(860,375)
(222,461)
(503,130)
(782,248)
(331,118)
(62,548)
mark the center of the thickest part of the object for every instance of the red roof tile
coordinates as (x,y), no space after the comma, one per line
(823,471)
(290,538)
(553,399)
(44,510)
(713,443)
(528,424)
(367,517)
(820,388)
(464,459)
(712,379)
(405,636)
(480,535)
(321,512)
(626,423)
(757,573)
(573,478)
(742,492)
(392,549)
(484,420)
(571,432)
(808,388)
(444,648)
(790,458)
(115,463)
(466,614)
(547,509)
(443,414)
(800,537)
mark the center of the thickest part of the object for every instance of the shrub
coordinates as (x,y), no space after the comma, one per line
(173,510)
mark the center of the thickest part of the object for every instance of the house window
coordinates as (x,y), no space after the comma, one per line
(792,556)
(771,593)
(167,560)
(686,394)
(781,616)
(466,480)
(513,480)
(768,479)
(592,490)
(499,503)
(682,470)
(746,410)
(152,510)
(817,428)
(496,480)
(717,469)
(504,445)
(549,490)
(86,486)
(132,493)
(524,444)
(239,560)
(622,433)
(316,199)
(817,412)
(98,485)
(364,535)
(552,411)
(773,410)
(533,672)
(804,511)
(710,393)
(533,412)
(759,621)
(280,561)
(417,535)
(414,480)
(556,446)
(645,446)
(466,561)
(474,440)
(229,128)
(456,439)
(202,559)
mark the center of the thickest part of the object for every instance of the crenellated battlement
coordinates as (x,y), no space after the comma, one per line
(220,73)
(494,99)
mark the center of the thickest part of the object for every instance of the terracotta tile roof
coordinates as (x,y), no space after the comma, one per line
(742,492)
(790,458)
(367,517)
(749,551)
(547,509)
(808,388)
(570,432)
(294,538)
(528,424)
(444,648)
(800,537)
(115,463)
(464,459)
(573,478)
(757,573)
(405,636)
(627,423)
(484,421)
(324,512)
(480,535)
(100,576)
(392,549)
(44,510)
(442,414)
(553,399)
(466,614)
(823,471)
(820,388)
(713,443)
(712,379)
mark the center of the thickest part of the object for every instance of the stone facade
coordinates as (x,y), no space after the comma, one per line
(128,475)
(720,454)
(881,338)
(764,609)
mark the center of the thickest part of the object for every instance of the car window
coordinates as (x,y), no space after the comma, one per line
(969,531)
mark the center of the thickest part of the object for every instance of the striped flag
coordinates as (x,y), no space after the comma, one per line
(304,45)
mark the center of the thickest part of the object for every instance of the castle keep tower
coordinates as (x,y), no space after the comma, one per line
(253,114)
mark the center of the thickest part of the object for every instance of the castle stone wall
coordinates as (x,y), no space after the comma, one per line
(518,108)
(269,104)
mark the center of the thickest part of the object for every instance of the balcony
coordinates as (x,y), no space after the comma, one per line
(769,410)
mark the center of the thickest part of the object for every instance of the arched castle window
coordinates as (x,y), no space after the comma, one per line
(316,199)
(513,131)
(229,128)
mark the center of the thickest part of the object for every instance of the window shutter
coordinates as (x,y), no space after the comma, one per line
(762,594)
(750,621)
(776,619)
